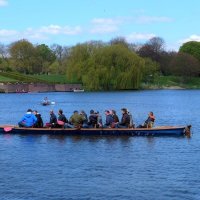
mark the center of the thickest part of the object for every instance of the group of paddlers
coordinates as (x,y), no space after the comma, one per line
(81,120)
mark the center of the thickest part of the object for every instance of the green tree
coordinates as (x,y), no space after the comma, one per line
(58,51)
(119,40)
(192,48)
(55,68)
(150,69)
(22,56)
(44,58)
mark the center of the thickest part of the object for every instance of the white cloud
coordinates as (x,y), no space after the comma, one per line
(7,33)
(40,34)
(191,38)
(56,29)
(151,19)
(32,34)
(139,37)
(105,25)
(3,3)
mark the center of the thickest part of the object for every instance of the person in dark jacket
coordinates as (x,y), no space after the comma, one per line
(53,119)
(28,120)
(92,122)
(61,117)
(115,116)
(39,123)
(109,119)
(125,121)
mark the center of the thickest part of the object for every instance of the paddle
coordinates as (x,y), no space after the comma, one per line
(7,129)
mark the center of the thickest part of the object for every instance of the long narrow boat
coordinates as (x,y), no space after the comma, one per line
(157,131)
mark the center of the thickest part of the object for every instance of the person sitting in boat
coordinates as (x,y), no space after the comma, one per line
(149,122)
(125,120)
(99,120)
(61,119)
(85,118)
(75,121)
(39,123)
(131,125)
(109,119)
(92,122)
(28,120)
(53,120)
(115,117)
(45,101)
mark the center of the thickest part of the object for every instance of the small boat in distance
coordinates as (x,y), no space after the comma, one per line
(47,102)
(175,131)
(78,90)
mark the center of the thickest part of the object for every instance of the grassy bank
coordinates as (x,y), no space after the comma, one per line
(160,82)
(173,82)
(4,79)
(52,78)
(13,77)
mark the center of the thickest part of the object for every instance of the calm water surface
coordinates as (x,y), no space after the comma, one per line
(61,167)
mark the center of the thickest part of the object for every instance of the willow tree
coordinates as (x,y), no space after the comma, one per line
(77,61)
(105,67)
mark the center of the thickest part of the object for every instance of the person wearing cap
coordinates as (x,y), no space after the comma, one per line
(109,119)
(39,123)
(75,121)
(125,120)
(28,120)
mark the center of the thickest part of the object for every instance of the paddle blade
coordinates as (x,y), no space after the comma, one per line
(7,129)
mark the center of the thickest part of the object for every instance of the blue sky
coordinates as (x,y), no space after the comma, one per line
(68,22)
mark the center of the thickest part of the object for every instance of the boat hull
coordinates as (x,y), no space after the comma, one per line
(46,103)
(160,131)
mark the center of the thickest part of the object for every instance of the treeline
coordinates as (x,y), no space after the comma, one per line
(114,65)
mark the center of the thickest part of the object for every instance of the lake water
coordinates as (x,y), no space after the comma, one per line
(64,167)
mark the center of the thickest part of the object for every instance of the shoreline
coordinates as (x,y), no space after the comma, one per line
(41,87)
(37,87)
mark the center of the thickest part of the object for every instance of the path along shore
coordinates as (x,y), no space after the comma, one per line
(37,87)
